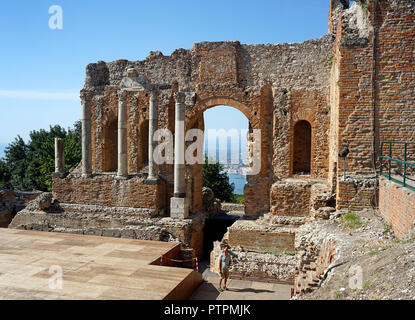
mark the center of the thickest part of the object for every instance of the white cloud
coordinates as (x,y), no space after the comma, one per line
(39,95)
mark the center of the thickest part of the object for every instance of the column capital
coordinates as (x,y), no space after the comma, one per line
(179,97)
(153,92)
(122,94)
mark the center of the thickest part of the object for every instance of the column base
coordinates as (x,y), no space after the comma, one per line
(179,208)
(59,175)
(152,181)
(121,177)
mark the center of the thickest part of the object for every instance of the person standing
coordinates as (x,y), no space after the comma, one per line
(224,264)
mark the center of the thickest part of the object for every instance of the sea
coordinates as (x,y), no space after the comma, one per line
(239,181)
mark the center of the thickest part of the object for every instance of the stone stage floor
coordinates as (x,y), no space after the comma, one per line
(92,268)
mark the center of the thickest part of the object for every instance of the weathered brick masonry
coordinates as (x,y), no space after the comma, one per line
(107,191)
(309,271)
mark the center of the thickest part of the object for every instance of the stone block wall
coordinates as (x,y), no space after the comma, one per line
(253,264)
(249,235)
(356,193)
(107,191)
(397,207)
(291,197)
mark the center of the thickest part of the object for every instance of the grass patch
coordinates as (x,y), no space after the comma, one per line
(366,284)
(276,252)
(289,252)
(387,229)
(351,221)
(365,4)
(331,60)
(410,240)
(238,198)
(374,272)
(372,252)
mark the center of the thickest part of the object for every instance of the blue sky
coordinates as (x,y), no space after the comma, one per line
(42,70)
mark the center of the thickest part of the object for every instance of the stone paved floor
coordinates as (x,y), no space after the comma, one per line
(239,289)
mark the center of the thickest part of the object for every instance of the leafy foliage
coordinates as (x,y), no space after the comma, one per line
(238,198)
(217,180)
(30,166)
(4,175)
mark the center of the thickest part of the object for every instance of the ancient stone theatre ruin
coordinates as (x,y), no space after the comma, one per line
(309,100)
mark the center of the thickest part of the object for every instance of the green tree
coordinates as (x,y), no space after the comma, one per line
(4,175)
(17,163)
(30,166)
(217,180)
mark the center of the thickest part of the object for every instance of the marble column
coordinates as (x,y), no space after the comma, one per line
(179,204)
(122,136)
(152,127)
(59,156)
(86,137)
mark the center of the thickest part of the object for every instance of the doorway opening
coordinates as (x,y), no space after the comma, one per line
(111,146)
(226,138)
(302,148)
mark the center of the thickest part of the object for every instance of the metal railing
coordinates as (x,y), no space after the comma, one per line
(395,177)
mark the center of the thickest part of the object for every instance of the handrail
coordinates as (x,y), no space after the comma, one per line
(389,160)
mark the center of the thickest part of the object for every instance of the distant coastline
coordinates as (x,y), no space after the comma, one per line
(239,181)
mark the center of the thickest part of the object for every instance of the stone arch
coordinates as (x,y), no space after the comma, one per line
(256,191)
(302,147)
(205,104)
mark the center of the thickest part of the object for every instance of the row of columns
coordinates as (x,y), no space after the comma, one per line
(179,205)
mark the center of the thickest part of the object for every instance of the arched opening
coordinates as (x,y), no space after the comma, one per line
(143,144)
(110,146)
(302,148)
(226,131)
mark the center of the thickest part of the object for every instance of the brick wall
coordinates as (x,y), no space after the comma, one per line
(256,198)
(248,235)
(309,272)
(395,65)
(397,207)
(291,197)
(372,83)
(356,193)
